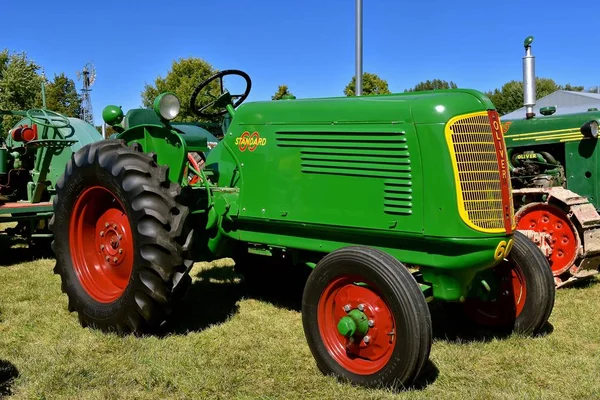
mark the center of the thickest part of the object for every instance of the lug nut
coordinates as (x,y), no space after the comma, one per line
(115,226)
(367,339)
(115,260)
(361,307)
(120,251)
(101,247)
(107,258)
(101,233)
(106,225)
(120,237)
(347,308)
(371,323)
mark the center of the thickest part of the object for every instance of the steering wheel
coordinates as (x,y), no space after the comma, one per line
(49,116)
(224,99)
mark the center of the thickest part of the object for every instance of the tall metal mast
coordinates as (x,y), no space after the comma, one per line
(359,49)
(88,76)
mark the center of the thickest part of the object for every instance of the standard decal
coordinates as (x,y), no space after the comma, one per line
(249,141)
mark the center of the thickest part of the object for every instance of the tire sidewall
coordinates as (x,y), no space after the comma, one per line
(82,178)
(396,367)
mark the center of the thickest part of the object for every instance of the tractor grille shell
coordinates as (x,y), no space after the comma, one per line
(481,173)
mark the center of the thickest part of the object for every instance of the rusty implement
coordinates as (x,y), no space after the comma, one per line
(565,226)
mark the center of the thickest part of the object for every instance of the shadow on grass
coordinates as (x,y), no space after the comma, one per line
(17,251)
(212,299)
(451,326)
(8,373)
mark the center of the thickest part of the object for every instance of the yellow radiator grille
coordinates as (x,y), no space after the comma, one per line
(477,175)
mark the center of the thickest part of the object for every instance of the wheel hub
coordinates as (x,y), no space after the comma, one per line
(356,325)
(101,244)
(109,239)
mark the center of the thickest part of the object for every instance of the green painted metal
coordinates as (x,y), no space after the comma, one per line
(355,323)
(561,136)
(45,157)
(112,115)
(279,178)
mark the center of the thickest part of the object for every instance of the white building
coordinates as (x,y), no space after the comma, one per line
(566,102)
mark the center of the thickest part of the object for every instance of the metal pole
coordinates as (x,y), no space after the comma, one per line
(359,50)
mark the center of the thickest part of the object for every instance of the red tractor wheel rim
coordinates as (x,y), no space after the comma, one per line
(101,244)
(563,235)
(508,299)
(355,355)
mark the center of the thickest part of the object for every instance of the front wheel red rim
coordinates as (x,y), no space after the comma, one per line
(506,304)
(355,354)
(101,244)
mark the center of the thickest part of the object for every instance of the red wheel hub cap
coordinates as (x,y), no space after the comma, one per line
(360,355)
(101,244)
(562,235)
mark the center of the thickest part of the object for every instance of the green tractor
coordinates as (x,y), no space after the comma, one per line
(554,162)
(33,156)
(393,201)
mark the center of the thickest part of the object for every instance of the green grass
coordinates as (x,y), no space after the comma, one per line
(223,344)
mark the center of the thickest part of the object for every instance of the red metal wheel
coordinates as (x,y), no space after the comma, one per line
(361,355)
(563,236)
(101,244)
(506,302)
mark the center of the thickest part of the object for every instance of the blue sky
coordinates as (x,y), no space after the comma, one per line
(309,44)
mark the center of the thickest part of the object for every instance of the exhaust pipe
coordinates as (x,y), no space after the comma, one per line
(528,79)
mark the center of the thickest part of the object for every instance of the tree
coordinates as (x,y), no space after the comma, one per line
(371,84)
(62,97)
(510,96)
(572,88)
(435,84)
(281,92)
(183,77)
(20,85)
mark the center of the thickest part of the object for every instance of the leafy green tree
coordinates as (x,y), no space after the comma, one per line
(371,84)
(572,88)
(20,85)
(435,84)
(510,96)
(183,77)
(62,97)
(281,92)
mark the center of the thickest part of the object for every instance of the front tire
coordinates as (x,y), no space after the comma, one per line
(118,238)
(369,287)
(522,297)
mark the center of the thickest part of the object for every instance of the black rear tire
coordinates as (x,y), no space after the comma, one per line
(157,220)
(395,290)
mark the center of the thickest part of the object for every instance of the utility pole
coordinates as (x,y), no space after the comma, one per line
(359,49)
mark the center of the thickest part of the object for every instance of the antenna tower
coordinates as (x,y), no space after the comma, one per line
(88,76)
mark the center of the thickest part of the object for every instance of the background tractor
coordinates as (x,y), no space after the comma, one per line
(554,165)
(392,201)
(33,155)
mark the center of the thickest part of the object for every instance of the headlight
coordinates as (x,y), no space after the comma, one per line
(167,106)
(590,129)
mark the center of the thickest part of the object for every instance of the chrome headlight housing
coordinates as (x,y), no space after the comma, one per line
(167,106)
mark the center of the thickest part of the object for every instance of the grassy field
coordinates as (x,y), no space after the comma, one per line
(223,343)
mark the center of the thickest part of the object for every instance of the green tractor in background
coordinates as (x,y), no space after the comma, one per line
(554,163)
(33,155)
(391,201)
